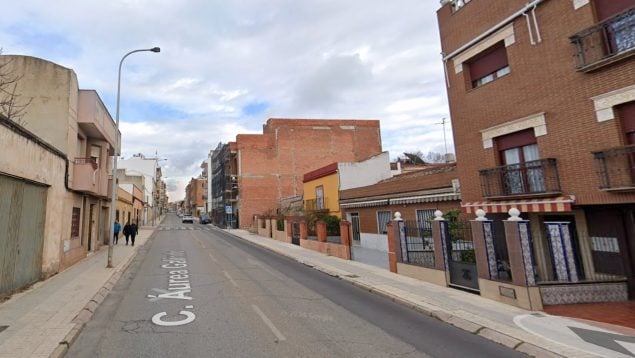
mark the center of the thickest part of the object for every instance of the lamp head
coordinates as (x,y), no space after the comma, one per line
(155,49)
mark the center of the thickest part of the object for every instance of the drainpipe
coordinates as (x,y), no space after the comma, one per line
(493,29)
(533,14)
(531,33)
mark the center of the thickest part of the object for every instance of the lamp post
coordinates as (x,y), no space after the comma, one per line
(113,197)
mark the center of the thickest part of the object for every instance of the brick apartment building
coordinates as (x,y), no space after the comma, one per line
(194,203)
(271,165)
(542,99)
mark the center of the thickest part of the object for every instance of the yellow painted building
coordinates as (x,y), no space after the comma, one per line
(124,211)
(321,190)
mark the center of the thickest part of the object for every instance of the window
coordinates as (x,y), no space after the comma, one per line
(424,222)
(383,218)
(523,169)
(319,197)
(94,153)
(489,65)
(75,223)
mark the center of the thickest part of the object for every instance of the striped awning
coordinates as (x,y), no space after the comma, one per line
(426,198)
(549,205)
(364,204)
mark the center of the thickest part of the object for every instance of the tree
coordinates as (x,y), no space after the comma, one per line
(12,104)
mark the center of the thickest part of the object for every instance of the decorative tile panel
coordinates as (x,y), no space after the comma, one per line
(489,249)
(444,243)
(528,257)
(584,293)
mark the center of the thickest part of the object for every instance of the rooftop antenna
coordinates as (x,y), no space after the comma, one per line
(445,142)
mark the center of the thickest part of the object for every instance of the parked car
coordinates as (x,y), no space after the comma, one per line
(204,219)
(187,219)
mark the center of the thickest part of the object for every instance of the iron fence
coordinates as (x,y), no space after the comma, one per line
(417,244)
(616,167)
(532,177)
(605,40)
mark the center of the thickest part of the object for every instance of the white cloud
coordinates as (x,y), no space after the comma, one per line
(329,59)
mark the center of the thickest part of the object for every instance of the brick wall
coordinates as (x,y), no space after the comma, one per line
(542,79)
(272,164)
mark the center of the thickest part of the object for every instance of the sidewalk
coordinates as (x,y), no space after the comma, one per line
(534,333)
(43,320)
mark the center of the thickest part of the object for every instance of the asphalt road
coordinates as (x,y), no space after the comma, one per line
(195,291)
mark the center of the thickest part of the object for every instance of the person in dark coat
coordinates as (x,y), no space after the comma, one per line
(133,232)
(126,231)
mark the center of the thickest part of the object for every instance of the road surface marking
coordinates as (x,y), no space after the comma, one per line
(269,324)
(213,258)
(230,278)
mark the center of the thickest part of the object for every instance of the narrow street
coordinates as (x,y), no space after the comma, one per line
(196,291)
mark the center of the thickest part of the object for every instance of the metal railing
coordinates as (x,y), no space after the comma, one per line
(83,161)
(316,204)
(529,178)
(607,39)
(418,246)
(616,167)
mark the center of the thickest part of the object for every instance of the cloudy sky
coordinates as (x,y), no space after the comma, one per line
(225,67)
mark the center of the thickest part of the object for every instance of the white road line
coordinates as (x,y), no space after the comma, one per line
(230,278)
(213,258)
(269,324)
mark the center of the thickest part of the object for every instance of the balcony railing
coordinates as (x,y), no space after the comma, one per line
(616,168)
(534,178)
(86,161)
(609,40)
(316,204)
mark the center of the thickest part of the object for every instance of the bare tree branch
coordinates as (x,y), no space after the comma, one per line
(12,104)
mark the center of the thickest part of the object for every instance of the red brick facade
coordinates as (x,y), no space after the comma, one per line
(571,105)
(271,165)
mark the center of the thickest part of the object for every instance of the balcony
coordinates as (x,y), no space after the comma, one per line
(606,42)
(87,177)
(616,168)
(320,204)
(537,178)
(93,117)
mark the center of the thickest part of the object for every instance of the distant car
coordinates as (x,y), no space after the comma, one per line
(204,219)
(187,219)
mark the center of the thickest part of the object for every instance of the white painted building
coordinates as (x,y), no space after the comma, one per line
(138,164)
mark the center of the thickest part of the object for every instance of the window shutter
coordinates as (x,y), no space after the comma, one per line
(605,9)
(627,116)
(516,139)
(492,60)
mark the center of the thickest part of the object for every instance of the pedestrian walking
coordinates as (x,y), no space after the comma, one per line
(133,232)
(116,230)
(126,231)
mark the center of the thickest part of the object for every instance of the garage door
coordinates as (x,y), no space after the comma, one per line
(22,213)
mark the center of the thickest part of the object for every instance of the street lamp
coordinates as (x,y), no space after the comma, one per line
(113,197)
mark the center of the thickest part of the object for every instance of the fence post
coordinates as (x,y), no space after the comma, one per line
(288,224)
(439,238)
(483,241)
(521,260)
(345,238)
(303,230)
(394,247)
(320,230)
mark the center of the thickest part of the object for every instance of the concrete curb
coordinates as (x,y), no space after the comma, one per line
(428,310)
(89,309)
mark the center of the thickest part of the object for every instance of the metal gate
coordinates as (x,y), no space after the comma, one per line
(22,214)
(355,227)
(295,233)
(461,256)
